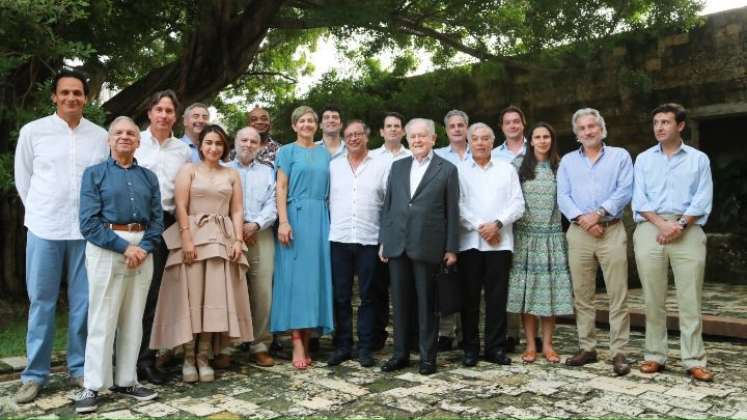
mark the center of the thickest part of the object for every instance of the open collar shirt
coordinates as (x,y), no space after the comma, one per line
(384,153)
(49,163)
(502,152)
(355,200)
(676,185)
(449,154)
(417,171)
(165,160)
(486,195)
(192,148)
(258,184)
(584,186)
(341,151)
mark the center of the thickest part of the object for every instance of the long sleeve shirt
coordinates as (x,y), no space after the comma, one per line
(676,185)
(258,186)
(112,194)
(584,186)
(486,195)
(49,163)
(502,152)
(192,148)
(452,156)
(164,160)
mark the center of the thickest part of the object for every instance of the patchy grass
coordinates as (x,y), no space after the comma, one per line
(13,332)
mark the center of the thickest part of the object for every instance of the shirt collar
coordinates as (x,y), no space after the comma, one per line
(682,149)
(601,152)
(504,145)
(426,160)
(111,161)
(188,141)
(466,153)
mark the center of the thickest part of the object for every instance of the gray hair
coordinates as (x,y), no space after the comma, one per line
(196,105)
(366,129)
(301,111)
(456,113)
(245,130)
(429,125)
(472,128)
(583,112)
(123,118)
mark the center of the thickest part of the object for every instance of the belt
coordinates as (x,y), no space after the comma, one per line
(609,222)
(130,227)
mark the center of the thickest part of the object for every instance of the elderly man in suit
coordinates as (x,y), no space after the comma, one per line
(419,230)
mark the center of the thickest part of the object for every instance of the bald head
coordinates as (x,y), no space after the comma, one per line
(259,119)
(248,144)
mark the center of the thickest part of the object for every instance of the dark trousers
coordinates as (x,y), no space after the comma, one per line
(160,253)
(349,260)
(380,296)
(410,277)
(488,270)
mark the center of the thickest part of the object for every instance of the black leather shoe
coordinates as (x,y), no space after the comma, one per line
(511,343)
(444,343)
(581,358)
(338,357)
(498,358)
(469,359)
(151,374)
(395,364)
(365,359)
(427,368)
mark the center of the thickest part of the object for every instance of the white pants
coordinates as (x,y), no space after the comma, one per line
(116,300)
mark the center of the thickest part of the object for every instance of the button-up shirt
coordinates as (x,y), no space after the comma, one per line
(110,193)
(584,186)
(449,154)
(269,150)
(676,185)
(502,152)
(355,200)
(486,195)
(384,153)
(417,170)
(49,163)
(164,160)
(192,148)
(258,186)
(341,151)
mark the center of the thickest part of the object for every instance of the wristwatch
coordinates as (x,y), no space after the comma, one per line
(682,222)
(601,212)
(498,223)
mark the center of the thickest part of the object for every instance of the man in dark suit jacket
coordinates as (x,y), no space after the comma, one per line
(419,229)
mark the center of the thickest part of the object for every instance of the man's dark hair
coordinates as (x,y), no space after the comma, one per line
(168,93)
(512,108)
(529,163)
(679,111)
(396,115)
(76,74)
(215,128)
(331,108)
(361,122)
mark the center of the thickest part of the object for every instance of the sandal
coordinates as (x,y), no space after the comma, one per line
(551,356)
(529,356)
(302,362)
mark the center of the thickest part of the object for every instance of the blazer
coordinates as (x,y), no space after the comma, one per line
(426,225)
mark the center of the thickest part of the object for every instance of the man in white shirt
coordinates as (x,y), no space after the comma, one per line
(393,131)
(51,155)
(331,126)
(490,202)
(196,117)
(163,154)
(260,212)
(356,194)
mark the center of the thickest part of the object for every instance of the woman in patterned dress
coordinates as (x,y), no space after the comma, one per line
(540,284)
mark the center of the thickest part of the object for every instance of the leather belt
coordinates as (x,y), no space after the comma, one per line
(609,222)
(130,227)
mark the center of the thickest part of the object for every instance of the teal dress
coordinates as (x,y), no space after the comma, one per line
(302,288)
(540,283)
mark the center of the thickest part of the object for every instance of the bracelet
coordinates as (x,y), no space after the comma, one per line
(284,223)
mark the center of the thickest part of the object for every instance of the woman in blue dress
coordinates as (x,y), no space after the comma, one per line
(302,291)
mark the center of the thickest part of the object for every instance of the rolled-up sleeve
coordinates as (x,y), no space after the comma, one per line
(622,194)
(702,200)
(152,236)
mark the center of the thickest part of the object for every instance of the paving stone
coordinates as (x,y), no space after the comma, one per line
(740,415)
(406,404)
(689,404)
(685,414)
(623,386)
(156,410)
(615,405)
(119,414)
(16,363)
(458,408)
(51,402)
(657,407)
(196,407)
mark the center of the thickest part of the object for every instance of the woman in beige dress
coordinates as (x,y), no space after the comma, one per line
(203,302)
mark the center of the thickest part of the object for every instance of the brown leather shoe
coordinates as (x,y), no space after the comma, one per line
(581,358)
(222,361)
(263,359)
(620,364)
(701,374)
(649,366)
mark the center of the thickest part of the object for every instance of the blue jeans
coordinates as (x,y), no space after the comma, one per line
(347,260)
(45,262)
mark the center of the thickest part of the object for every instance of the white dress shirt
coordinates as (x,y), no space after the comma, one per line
(258,186)
(49,164)
(486,195)
(355,199)
(417,171)
(164,160)
(383,152)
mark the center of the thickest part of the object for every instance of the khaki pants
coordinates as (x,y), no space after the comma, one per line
(585,253)
(687,255)
(261,258)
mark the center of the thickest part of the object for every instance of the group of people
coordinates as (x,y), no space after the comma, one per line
(182,244)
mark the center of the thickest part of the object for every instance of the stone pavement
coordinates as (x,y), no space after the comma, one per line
(490,391)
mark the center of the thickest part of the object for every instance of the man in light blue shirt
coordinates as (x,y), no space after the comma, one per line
(595,183)
(260,212)
(513,122)
(196,116)
(331,126)
(671,201)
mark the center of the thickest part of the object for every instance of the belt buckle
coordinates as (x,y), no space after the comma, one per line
(129,227)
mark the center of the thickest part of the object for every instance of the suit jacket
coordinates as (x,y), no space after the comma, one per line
(426,225)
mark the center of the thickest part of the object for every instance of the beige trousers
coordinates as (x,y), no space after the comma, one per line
(585,254)
(261,258)
(687,256)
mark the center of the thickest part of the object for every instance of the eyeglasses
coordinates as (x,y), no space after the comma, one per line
(355,134)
